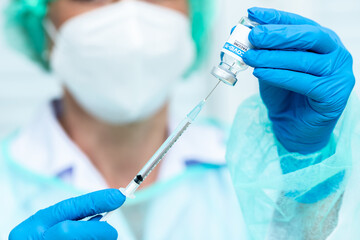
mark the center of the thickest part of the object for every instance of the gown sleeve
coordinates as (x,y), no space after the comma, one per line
(286,195)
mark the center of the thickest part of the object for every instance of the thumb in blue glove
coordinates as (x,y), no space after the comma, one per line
(61,220)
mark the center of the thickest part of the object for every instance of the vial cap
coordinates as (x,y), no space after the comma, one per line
(224,75)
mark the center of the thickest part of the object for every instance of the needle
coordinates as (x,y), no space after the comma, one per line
(212,91)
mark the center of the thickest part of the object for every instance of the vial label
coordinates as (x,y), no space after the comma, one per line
(238,43)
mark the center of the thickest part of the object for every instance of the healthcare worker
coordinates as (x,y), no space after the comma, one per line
(118,62)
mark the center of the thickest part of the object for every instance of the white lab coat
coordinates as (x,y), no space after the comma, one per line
(193,200)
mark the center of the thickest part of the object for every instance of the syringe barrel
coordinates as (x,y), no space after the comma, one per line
(130,189)
(165,147)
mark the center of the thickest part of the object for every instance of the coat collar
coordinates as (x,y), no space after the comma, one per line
(44,148)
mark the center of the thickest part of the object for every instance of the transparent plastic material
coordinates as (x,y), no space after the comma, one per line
(231,55)
(269,196)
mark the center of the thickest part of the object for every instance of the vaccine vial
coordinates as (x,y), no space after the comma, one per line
(232,52)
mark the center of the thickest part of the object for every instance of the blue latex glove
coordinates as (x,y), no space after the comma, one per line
(305,76)
(60,220)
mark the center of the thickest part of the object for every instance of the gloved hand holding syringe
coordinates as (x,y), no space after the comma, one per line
(226,72)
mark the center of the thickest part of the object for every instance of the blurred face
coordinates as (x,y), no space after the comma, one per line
(117,65)
(62,10)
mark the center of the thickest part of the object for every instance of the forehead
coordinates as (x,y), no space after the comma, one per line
(62,10)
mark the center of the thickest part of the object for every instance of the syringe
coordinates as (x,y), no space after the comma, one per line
(161,152)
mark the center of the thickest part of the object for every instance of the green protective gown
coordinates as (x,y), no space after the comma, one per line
(267,195)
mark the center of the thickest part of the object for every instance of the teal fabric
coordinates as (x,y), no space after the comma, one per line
(269,181)
(25,32)
(143,195)
(202,16)
(24,28)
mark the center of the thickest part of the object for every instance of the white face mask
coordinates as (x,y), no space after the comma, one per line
(120,62)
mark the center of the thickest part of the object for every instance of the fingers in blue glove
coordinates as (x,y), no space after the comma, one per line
(81,230)
(293,81)
(305,62)
(289,37)
(55,219)
(315,54)
(308,85)
(273,16)
(81,207)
